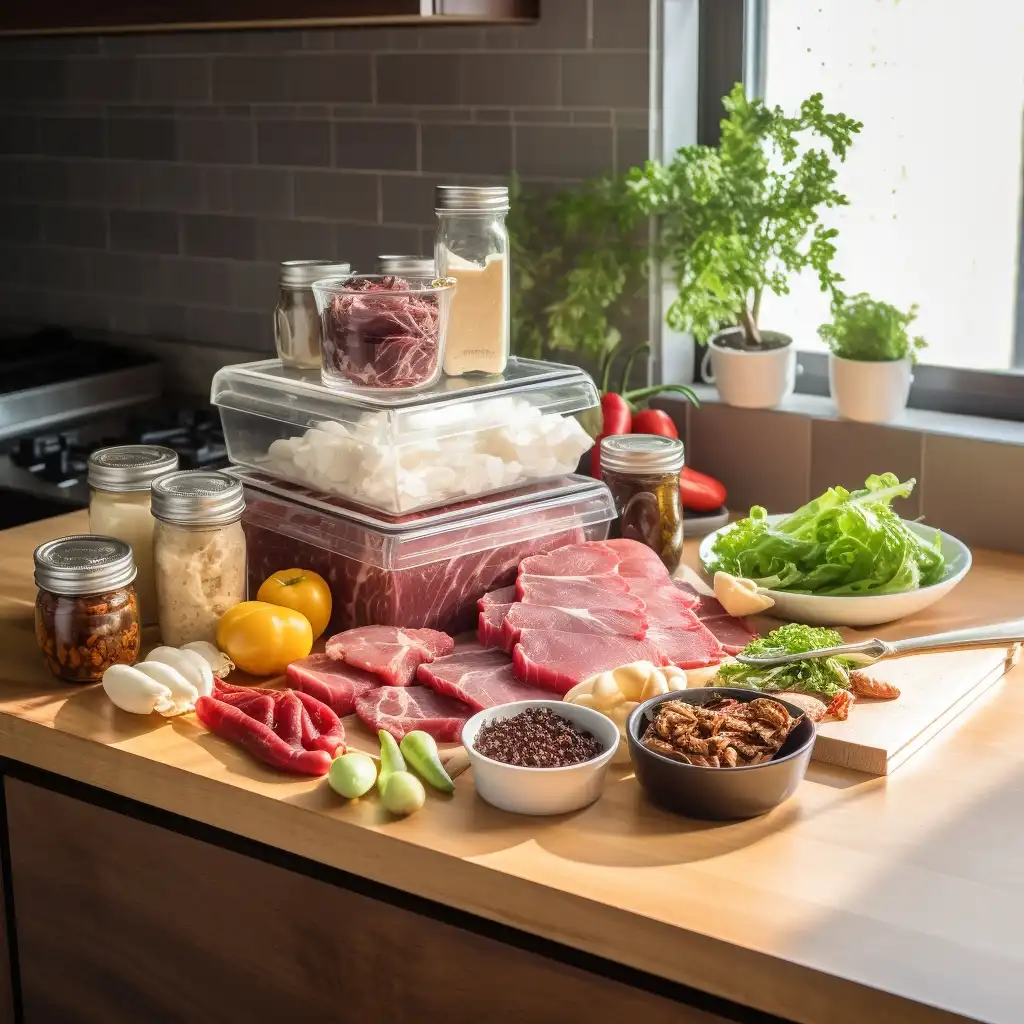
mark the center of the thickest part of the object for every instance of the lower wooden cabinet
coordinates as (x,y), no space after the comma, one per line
(121,920)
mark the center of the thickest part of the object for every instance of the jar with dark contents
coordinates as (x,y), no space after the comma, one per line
(86,615)
(642,472)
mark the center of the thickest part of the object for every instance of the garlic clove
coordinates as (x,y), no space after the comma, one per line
(656,685)
(606,690)
(220,664)
(675,678)
(136,692)
(191,666)
(183,694)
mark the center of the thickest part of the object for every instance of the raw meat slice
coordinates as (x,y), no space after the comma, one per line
(488,629)
(288,720)
(388,651)
(637,560)
(576,561)
(571,620)
(555,660)
(732,634)
(401,709)
(322,729)
(504,596)
(331,682)
(686,648)
(662,600)
(605,592)
(480,677)
(813,708)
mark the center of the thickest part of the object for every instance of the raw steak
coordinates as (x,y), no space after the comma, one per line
(480,677)
(570,620)
(555,660)
(577,561)
(389,652)
(731,633)
(605,592)
(636,559)
(504,596)
(331,681)
(488,628)
(401,709)
(686,648)
(662,599)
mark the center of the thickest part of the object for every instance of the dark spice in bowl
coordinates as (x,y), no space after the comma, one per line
(537,738)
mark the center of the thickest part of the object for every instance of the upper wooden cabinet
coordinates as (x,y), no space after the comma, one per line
(63,16)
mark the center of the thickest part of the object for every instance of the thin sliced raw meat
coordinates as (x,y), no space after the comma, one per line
(401,709)
(813,708)
(732,634)
(322,729)
(576,561)
(331,682)
(571,620)
(663,603)
(605,592)
(488,630)
(504,596)
(389,652)
(288,720)
(686,648)
(480,677)
(555,660)
(708,607)
(637,560)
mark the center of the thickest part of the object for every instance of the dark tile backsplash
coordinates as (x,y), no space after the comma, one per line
(150,183)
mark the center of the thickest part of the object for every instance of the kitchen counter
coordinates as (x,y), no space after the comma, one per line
(883,899)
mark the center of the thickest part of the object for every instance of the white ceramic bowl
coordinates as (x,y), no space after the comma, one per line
(864,609)
(541,790)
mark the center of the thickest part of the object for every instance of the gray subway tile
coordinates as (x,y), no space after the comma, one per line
(562,26)
(108,79)
(254,286)
(142,138)
(231,327)
(294,143)
(19,135)
(455,39)
(568,151)
(71,136)
(29,178)
(417,78)
(177,187)
(186,280)
(335,194)
(361,244)
(62,269)
(605,79)
(537,115)
(265,191)
(20,223)
(511,79)
(79,226)
(143,231)
(372,40)
(121,274)
(173,80)
(620,26)
(591,116)
(317,39)
(375,145)
(197,42)
(408,199)
(217,189)
(216,140)
(112,183)
(846,453)
(632,118)
(164,320)
(274,40)
(249,79)
(631,148)
(30,80)
(467,149)
(280,240)
(211,234)
(327,78)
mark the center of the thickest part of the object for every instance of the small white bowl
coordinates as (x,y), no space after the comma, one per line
(864,609)
(541,790)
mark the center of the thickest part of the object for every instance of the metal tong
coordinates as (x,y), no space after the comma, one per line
(867,652)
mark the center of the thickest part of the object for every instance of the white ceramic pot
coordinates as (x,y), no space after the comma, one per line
(751,380)
(869,392)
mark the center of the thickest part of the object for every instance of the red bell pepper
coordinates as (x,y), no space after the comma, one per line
(700,492)
(654,421)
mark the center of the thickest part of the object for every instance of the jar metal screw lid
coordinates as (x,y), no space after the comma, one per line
(302,273)
(406,266)
(197,497)
(641,453)
(130,467)
(83,565)
(471,198)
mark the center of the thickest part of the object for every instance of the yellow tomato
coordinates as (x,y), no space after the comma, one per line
(303,590)
(263,639)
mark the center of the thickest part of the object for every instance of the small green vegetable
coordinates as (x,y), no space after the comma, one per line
(352,775)
(420,751)
(391,759)
(401,792)
(870,331)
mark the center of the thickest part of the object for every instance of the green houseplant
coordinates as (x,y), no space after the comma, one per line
(871,353)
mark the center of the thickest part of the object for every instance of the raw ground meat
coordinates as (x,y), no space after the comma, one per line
(331,681)
(401,709)
(504,596)
(488,628)
(577,561)
(481,677)
(389,652)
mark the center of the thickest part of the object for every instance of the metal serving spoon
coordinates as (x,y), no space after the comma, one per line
(867,652)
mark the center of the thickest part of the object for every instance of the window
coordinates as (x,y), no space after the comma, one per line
(935,177)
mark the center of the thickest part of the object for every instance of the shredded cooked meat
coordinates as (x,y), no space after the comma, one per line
(722,734)
(863,685)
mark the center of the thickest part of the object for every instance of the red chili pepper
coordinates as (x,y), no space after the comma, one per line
(615,414)
(700,492)
(654,421)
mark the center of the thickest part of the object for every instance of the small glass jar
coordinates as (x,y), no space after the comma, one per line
(407,266)
(296,321)
(472,247)
(119,506)
(642,472)
(199,552)
(86,613)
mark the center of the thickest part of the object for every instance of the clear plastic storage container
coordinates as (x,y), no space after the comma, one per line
(427,569)
(404,452)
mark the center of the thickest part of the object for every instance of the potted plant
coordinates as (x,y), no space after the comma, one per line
(870,357)
(736,222)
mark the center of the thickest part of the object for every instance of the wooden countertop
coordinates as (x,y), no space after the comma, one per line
(884,899)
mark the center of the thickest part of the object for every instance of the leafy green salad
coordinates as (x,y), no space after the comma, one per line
(842,543)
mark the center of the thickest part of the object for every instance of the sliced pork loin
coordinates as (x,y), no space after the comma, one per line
(637,560)
(479,676)
(401,709)
(489,626)
(683,647)
(389,652)
(506,595)
(574,561)
(331,681)
(616,621)
(603,592)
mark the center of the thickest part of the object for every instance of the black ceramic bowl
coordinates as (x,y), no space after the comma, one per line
(719,793)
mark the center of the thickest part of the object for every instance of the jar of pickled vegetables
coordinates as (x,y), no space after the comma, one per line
(642,472)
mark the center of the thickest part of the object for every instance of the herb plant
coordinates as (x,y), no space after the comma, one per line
(870,331)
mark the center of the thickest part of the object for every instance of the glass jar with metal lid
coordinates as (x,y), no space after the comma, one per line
(407,266)
(472,246)
(199,552)
(119,506)
(86,613)
(642,472)
(296,321)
